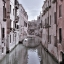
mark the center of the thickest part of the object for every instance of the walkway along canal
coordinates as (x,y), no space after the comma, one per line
(25,55)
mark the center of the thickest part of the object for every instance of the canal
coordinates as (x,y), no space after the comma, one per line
(24,55)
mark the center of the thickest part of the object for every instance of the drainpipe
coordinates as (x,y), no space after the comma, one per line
(48,31)
(56,27)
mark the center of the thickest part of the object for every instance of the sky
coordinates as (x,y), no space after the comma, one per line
(32,7)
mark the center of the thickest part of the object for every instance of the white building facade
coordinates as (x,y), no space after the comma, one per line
(49,36)
(3,26)
(23,23)
(12,19)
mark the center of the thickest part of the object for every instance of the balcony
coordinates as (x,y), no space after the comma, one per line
(44,12)
(17,19)
(46,26)
(16,4)
(46,9)
(53,1)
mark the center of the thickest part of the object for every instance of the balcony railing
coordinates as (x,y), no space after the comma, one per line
(44,12)
(46,26)
(17,19)
(53,1)
(46,9)
(17,5)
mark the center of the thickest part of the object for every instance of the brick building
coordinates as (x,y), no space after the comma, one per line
(60,28)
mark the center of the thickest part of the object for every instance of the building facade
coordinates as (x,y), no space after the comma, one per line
(11,10)
(3,29)
(13,25)
(60,29)
(8,17)
(49,20)
(39,25)
(23,23)
(52,22)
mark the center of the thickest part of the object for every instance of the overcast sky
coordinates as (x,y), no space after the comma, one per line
(32,7)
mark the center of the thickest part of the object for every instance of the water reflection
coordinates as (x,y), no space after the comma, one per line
(23,55)
(33,57)
(31,42)
(46,58)
(17,56)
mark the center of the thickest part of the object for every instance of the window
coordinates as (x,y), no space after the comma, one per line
(41,23)
(50,39)
(10,8)
(17,26)
(15,2)
(4,13)
(50,19)
(13,11)
(25,24)
(55,17)
(13,37)
(2,49)
(10,38)
(10,22)
(4,44)
(10,25)
(45,21)
(60,35)
(55,41)
(60,10)
(3,33)
(39,17)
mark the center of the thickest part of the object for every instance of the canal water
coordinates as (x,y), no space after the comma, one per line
(24,55)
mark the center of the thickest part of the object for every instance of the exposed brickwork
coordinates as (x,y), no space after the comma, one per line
(60,21)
